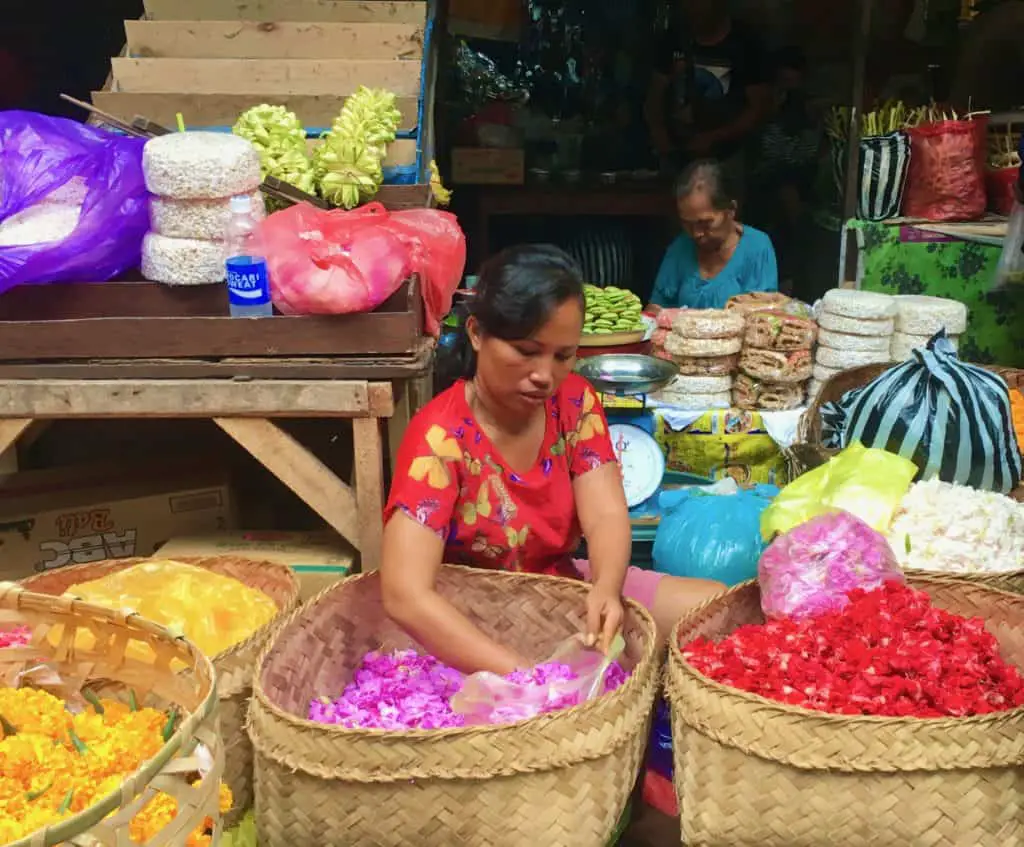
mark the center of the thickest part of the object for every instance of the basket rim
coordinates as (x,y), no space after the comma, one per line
(242,646)
(13,596)
(430,735)
(677,663)
(971,576)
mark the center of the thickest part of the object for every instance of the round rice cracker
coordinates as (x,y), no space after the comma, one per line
(853,303)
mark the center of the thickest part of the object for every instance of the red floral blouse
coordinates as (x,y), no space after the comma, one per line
(451,479)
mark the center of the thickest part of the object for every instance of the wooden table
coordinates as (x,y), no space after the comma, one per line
(136,350)
(243,399)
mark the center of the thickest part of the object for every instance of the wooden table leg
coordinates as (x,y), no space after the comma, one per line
(301,471)
(369,471)
(399,420)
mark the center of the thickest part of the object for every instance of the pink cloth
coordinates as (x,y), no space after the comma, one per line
(640,585)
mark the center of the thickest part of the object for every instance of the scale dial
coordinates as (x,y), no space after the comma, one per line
(641,460)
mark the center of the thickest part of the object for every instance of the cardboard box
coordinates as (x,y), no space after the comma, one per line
(318,558)
(488,166)
(81,514)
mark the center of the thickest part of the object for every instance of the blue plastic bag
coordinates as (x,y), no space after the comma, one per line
(712,532)
(41,154)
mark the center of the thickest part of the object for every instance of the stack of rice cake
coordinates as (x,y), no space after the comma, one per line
(855,328)
(776,362)
(705,345)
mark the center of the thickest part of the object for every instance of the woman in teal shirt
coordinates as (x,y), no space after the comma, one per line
(715,257)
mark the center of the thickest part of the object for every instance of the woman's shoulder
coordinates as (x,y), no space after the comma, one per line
(756,242)
(445,409)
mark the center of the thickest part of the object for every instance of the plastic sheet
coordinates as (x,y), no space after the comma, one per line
(42,157)
(213,611)
(486,698)
(711,532)
(1010,270)
(811,569)
(951,419)
(865,482)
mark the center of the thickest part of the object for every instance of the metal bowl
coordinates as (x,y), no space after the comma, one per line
(627,373)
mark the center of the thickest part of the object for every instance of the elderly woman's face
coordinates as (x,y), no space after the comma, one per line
(707,226)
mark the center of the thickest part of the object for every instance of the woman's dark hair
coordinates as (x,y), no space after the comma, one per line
(710,176)
(516,293)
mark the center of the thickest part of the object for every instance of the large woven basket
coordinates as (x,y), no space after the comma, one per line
(234,666)
(558,780)
(751,771)
(111,669)
(808,452)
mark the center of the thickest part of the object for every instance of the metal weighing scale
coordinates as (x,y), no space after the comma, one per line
(631,375)
(631,430)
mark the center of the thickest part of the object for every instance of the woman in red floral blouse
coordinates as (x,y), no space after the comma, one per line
(510,467)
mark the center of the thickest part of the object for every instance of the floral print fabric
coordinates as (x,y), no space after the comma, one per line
(450,479)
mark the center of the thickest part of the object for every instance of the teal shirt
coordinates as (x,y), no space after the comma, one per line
(751,268)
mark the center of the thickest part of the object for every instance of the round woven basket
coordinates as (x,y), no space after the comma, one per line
(234,666)
(111,669)
(751,771)
(560,780)
(1005,581)
(808,452)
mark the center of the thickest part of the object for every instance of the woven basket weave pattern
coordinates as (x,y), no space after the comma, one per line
(234,666)
(558,780)
(750,771)
(112,671)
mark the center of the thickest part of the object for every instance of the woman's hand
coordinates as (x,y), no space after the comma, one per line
(604,617)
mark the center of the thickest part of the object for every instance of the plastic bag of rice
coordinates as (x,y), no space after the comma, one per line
(182,261)
(203,219)
(200,165)
(44,223)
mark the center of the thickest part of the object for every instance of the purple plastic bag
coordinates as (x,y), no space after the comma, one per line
(40,154)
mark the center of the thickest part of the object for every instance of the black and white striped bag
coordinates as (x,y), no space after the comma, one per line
(950,418)
(884,162)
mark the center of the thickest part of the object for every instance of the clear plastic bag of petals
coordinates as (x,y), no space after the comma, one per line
(571,675)
(811,569)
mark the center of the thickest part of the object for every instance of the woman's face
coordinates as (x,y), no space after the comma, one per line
(707,226)
(520,375)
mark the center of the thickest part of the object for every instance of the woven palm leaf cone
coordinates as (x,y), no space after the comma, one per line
(751,771)
(234,666)
(558,780)
(808,452)
(113,670)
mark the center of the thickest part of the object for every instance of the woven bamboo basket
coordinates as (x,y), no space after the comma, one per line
(558,780)
(111,670)
(751,771)
(234,666)
(808,452)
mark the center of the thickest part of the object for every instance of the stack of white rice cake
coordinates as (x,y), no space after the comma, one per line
(855,328)
(918,318)
(704,344)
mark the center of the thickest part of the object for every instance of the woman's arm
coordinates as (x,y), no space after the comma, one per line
(410,562)
(604,519)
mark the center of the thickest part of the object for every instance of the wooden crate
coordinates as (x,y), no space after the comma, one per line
(266,78)
(339,11)
(281,40)
(219,110)
(146,320)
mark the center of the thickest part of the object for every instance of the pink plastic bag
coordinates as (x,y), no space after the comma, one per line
(438,248)
(572,675)
(339,262)
(810,569)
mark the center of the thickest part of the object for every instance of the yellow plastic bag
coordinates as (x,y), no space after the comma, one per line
(213,611)
(866,482)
